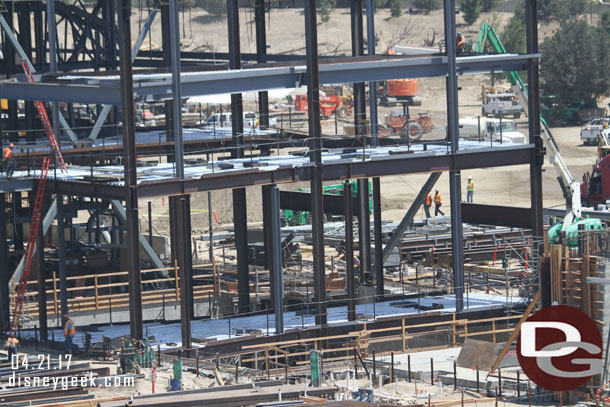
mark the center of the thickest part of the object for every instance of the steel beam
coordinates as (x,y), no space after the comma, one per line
(533,109)
(130,169)
(349,252)
(453,134)
(181,204)
(276,260)
(408,218)
(42,291)
(174,53)
(497,215)
(61,254)
(240,217)
(301,201)
(364,227)
(379,283)
(261,57)
(315,134)
(106,90)
(4,267)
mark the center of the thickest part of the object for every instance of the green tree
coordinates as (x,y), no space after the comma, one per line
(427,5)
(325,7)
(380,4)
(574,67)
(214,7)
(471,9)
(513,35)
(395,9)
(488,5)
(563,10)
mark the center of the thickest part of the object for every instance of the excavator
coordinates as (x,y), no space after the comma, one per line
(573,221)
(395,91)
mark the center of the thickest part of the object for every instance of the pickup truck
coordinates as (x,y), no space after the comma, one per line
(503,104)
(590,133)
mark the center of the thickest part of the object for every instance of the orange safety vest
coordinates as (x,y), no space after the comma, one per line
(438,199)
(428,200)
(69,328)
(8,153)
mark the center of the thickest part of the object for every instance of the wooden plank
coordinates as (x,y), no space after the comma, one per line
(512,336)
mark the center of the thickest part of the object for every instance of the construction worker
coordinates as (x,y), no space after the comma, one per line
(356,268)
(460,42)
(427,206)
(8,164)
(470,190)
(69,331)
(438,202)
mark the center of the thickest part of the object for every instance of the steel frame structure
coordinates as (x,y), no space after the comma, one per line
(111,88)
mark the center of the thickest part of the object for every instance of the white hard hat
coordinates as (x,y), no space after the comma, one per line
(470,177)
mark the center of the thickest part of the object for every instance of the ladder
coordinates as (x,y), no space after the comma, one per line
(46,123)
(29,251)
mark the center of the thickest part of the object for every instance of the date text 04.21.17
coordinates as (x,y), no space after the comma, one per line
(41,362)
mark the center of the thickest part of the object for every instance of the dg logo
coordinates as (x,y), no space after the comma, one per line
(560,348)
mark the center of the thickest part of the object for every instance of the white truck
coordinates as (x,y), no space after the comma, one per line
(502,104)
(590,133)
(486,129)
(251,120)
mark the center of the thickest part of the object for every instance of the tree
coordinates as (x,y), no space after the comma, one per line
(427,5)
(325,7)
(574,67)
(395,9)
(214,7)
(471,9)
(513,35)
(563,10)
(488,5)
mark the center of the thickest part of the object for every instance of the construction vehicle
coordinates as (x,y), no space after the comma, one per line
(500,103)
(395,91)
(590,134)
(329,105)
(573,221)
(485,129)
(407,127)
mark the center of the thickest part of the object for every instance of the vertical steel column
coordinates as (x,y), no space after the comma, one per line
(61,255)
(364,224)
(183,233)
(25,39)
(174,51)
(533,107)
(267,235)
(18,227)
(454,176)
(315,134)
(131,179)
(276,263)
(4,267)
(240,217)
(349,252)
(261,52)
(370,27)
(9,63)
(52,38)
(211,224)
(42,289)
(166,44)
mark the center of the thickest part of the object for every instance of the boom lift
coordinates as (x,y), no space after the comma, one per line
(571,189)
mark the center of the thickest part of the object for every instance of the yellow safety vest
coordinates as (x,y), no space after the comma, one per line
(470,186)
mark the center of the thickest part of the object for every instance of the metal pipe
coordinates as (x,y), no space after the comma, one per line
(131,181)
(315,134)
(454,176)
(349,252)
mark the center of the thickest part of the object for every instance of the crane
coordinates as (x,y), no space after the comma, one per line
(570,187)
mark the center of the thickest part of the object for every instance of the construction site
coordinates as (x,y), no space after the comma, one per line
(395,205)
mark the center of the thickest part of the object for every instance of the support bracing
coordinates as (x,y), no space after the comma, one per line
(349,252)
(315,134)
(276,262)
(131,182)
(454,176)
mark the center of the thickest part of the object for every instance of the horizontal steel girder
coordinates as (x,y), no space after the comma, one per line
(105,89)
(333,171)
